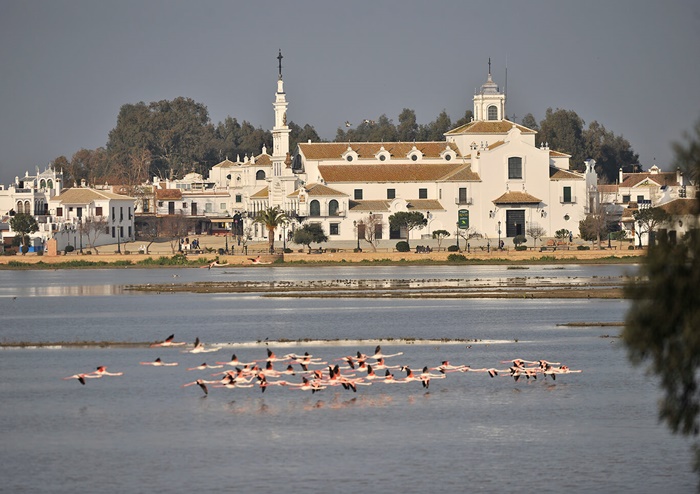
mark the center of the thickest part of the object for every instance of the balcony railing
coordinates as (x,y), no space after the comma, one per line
(463,201)
(571,200)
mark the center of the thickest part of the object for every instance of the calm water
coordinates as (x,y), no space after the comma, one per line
(142,432)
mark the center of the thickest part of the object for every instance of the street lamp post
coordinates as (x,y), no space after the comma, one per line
(357,227)
(457,236)
(119,245)
(499,235)
(80,226)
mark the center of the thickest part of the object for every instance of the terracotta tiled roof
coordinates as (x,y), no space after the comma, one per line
(319,190)
(368,150)
(424,205)
(680,207)
(608,189)
(368,205)
(517,198)
(263,193)
(262,160)
(489,127)
(409,172)
(227,163)
(80,195)
(558,154)
(559,174)
(634,179)
(463,174)
(166,194)
(496,144)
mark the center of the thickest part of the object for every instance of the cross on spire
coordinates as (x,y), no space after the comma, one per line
(489,66)
(280,57)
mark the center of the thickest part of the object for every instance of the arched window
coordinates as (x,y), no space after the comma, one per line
(333,208)
(260,175)
(42,184)
(315,208)
(492,112)
(20,207)
(515,167)
(27,207)
(49,184)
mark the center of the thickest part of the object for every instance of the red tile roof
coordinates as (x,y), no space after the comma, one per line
(517,198)
(408,172)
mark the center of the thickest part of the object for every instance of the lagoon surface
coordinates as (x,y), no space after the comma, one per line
(596,431)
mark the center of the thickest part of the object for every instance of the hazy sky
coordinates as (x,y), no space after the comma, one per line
(67,66)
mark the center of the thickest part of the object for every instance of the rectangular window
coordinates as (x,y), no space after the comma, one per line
(515,167)
(207,207)
(422,193)
(107,231)
(59,211)
(334,229)
(640,199)
(98,211)
(222,206)
(184,205)
(567,194)
(160,205)
(130,212)
(114,214)
(462,195)
(114,232)
(121,214)
(626,199)
(239,198)
(391,193)
(358,194)
(129,232)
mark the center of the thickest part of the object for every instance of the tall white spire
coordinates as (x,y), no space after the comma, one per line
(280,132)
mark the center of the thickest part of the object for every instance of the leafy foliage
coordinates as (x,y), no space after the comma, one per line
(649,219)
(271,219)
(662,323)
(23,224)
(519,239)
(563,130)
(403,246)
(310,233)
(408,220)
(440,235)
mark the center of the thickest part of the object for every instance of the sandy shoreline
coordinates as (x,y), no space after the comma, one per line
(331,255)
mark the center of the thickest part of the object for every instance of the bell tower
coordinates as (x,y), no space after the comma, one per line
(489,102)
(280,132)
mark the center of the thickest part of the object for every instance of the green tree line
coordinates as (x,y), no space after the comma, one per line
(172,138)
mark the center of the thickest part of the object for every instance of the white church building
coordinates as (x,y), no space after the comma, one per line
(488,177)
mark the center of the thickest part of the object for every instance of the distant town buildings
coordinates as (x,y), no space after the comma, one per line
(487,178)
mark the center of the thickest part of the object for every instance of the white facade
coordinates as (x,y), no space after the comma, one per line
(489,168)
(87,217)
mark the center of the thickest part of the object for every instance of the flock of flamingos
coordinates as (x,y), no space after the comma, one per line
(316,375)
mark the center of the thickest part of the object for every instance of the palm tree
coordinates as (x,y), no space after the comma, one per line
(271,218)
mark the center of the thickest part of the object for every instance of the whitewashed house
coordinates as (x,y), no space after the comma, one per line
(87,217)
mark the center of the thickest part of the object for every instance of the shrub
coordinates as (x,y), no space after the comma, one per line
(69,248)
(403,246)
(583,247)
(520,247)
(457,258)
(288,250)
(452,248)
(519,239)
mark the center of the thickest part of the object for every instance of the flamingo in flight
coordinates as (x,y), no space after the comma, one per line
(169,341)
(159,363)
